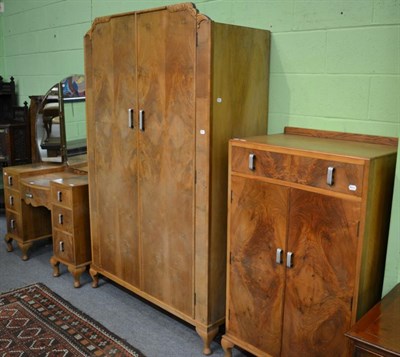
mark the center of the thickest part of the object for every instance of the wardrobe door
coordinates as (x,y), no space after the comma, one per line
(320,282)
(113,145)
(256,273)
(166,65)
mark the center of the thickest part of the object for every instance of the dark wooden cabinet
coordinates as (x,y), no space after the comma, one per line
(15,142)
(308,226)
(377,333)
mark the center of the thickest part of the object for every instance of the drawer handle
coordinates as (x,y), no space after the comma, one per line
(252,162)
(28,195)
(60,218)
(279,252)
(61,245)
(130,118)
(289,258)
(12,224)
(59,196)
(329,175)
(141,120)
(10,181)
(11,199)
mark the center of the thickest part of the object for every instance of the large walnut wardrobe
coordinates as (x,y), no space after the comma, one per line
(166,89)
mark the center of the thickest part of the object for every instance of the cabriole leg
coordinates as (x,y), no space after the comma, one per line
(95,276)
(207,335)
(227,346)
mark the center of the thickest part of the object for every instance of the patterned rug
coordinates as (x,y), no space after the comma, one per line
(34,321)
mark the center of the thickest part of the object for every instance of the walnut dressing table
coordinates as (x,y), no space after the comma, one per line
(49,200)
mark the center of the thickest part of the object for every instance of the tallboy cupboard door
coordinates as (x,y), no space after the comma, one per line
(258,212)
(320,282)
(166,88)
(113,148)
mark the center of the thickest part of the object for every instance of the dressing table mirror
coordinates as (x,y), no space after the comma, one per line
(61,122)
(49,198)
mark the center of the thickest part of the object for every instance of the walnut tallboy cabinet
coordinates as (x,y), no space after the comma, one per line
(308,223)
(166,89)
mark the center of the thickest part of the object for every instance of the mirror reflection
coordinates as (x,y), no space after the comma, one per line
(61,121)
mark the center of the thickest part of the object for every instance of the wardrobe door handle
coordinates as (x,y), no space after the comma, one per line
(141,120)
(130,118)
(279,252)
(252,164)
(329,175)
(289,258)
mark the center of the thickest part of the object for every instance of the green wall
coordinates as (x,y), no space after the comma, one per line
(2,70)
(335,65)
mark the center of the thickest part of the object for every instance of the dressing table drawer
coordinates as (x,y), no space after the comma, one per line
(12,200)
(11,180)
(36,196)
(62,219)
(14,223)
(61,195)
(63,246)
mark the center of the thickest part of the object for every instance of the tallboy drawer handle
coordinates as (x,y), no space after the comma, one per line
(12,224)
(59,196)
(28,195)
(60,218)
(10,181)
(11,200)
(252,159)
(329,175)
(61,245)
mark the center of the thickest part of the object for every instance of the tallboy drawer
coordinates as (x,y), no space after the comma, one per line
(260,163)
(326,174)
